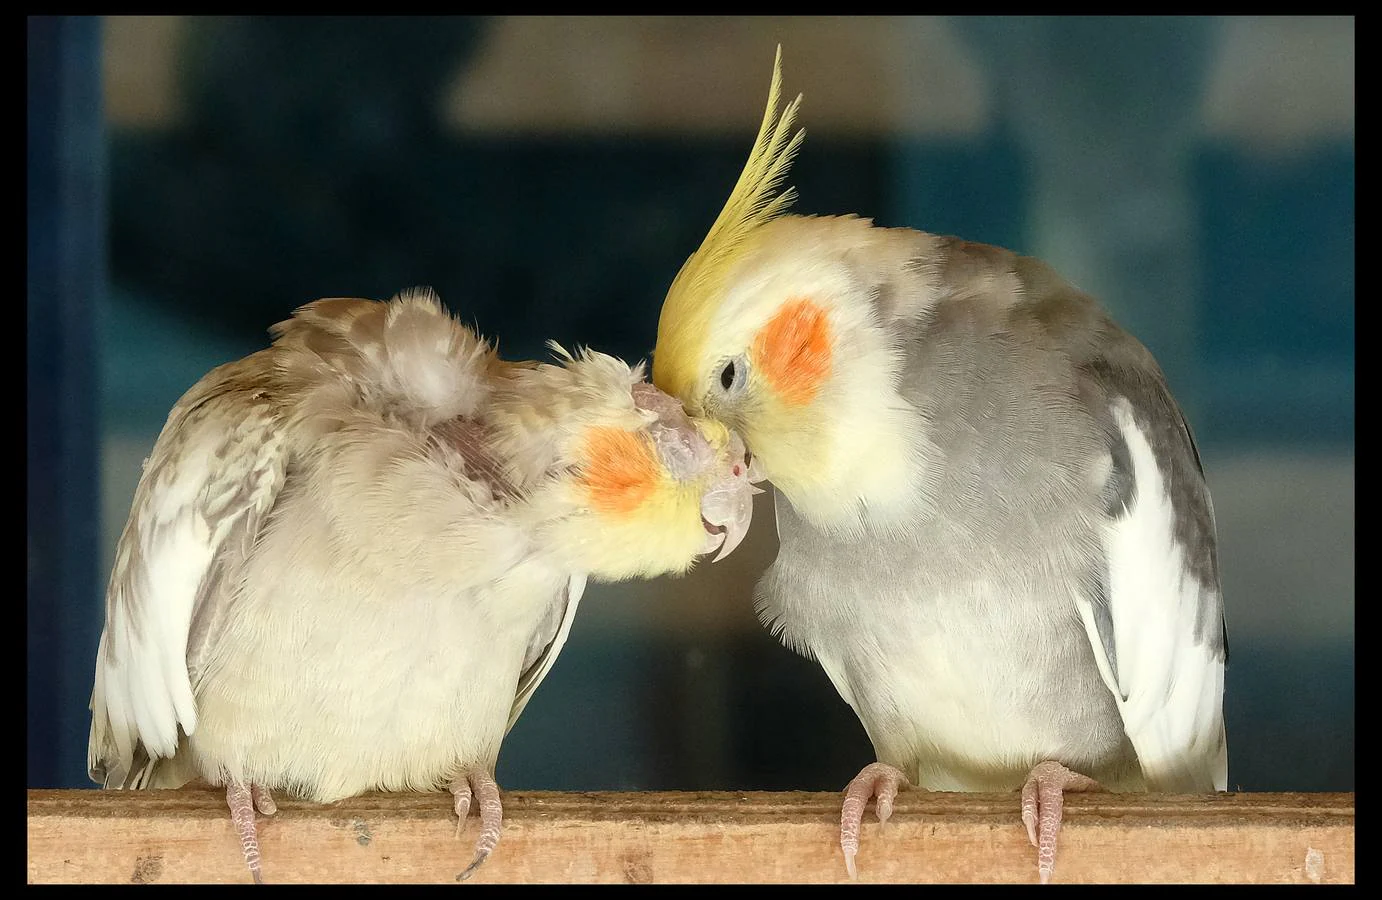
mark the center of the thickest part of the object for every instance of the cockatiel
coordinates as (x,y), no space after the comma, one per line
(353,556)
(996,536)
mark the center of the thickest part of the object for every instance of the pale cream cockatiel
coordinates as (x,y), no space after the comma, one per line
(353,556)
(996,535)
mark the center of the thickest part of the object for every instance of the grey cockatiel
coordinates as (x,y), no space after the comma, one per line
(353,556)
(996,535)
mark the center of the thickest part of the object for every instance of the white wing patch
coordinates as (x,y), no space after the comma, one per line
(538,671)
(216,469)
(1169,686)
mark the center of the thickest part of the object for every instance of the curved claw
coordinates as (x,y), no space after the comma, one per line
(486,793)
(1043,801)
(240,799)
(876,780)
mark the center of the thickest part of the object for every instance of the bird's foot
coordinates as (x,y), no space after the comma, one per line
(1043,800)
(243,799)
(876,779)
(481,785)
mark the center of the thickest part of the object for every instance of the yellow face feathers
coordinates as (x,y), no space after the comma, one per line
(646,521)
(714,432)
(695,292)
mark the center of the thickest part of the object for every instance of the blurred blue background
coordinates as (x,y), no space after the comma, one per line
(192,180)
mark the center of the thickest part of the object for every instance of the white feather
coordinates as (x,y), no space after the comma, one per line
(1169,685)
(574,590)
(215,448)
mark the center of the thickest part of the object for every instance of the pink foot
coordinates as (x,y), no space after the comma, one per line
(877,779)
(243,799)
(1043,801)
(460,790)
(485,790)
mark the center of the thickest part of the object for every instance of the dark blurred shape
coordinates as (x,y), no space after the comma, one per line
(972,189)
(1289,710)
(1306,285)
(731,713)
(311,164)
(1279,281)
(1106,111)
(66,262)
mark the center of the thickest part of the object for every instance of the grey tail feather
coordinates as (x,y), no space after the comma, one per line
(140,775)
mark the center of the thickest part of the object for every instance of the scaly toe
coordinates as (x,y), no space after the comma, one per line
(876,779)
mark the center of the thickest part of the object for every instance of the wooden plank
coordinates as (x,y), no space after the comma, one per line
(712,837)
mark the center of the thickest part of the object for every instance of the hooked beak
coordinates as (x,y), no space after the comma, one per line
(727,507)
(726,510)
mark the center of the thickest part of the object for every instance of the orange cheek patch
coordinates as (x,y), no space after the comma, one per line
(793,351)
(619,470)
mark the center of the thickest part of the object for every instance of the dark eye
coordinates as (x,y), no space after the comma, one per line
(727,375)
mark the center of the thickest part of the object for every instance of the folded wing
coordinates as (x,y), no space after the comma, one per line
(213,475)
(1155,616)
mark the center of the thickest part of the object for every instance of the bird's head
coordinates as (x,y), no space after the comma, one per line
(648,489)
(773,327)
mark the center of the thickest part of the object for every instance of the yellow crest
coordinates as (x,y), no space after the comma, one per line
(684,324)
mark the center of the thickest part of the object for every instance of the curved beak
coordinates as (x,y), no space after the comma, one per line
(727,507)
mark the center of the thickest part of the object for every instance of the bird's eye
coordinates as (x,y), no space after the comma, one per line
(734,374)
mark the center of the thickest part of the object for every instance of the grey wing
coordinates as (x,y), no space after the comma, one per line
(214,473)
(1154,613)
(536,669)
